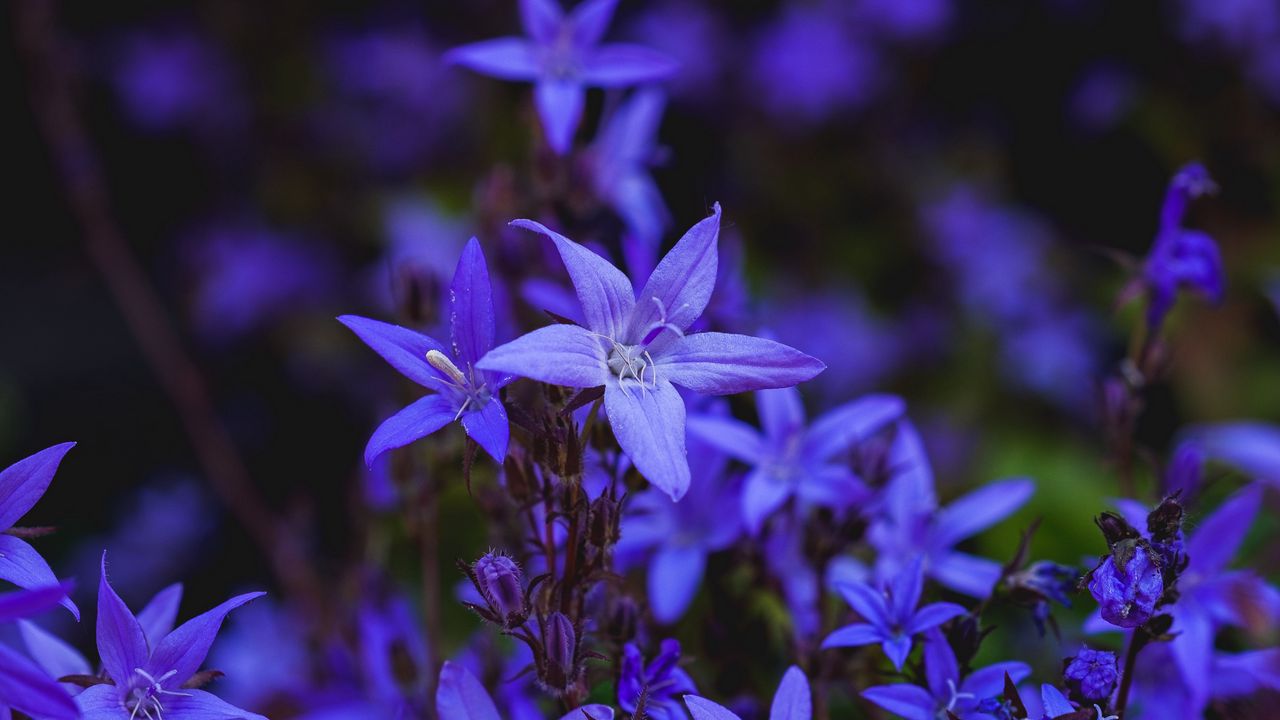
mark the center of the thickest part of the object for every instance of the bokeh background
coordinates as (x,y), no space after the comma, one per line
(934,197)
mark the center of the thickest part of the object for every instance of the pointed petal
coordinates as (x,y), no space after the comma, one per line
(648,422)
(489,427)
(781,413)
(838,430)
(1253,447)
(910,492)
(989,681)
(792,700)
(704,709)
(1215,542)
(905,589)
(853,636)
(26,687)
(590,19)
(731,436)
(158,617)
(122,646)
(52,653)
(761,496)
(1134,512)
(471,317)
(980,510)
(541,19)
(867,601)
(418,420)
(403,348)
(1055,703)
(590,712)
(897,649)
(605,293)
(674,577)
(965,573)
(941,670)
(200,705)
(506,58)
(722,363)
(559,105)
(556,354)
(1193,650)
(101,702)
(909,701)
(24,482)
(25,603)
(461,696)
(680,286)
(185,649)
(21,565)
(623,64)
(933,615)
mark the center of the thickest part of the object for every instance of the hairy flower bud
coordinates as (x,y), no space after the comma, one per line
(559,653)
(1127,585)
(498,579)
(1096,672)
(602,530)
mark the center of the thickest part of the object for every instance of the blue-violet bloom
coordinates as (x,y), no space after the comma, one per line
(1182,258)
(661,683)
(792,701)
(21,485)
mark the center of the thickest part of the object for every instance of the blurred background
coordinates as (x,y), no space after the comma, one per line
(936,198)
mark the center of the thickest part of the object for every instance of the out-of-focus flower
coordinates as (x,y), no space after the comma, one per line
(467,393)
(620,159)
(563,56)
(791,459)
(904,19)
(891,615)
(1251,446)
(1160,692)
(1102,96)
(1095,670)
(22,484)
(264,655)
(946,690)
(175,79)
(1180,258)
(23,685)
(460,696)
(695,36)
(636,347)
(658,685)
(151,677)
(792,701)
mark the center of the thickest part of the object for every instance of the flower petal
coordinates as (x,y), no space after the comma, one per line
(679,288)
(1219,535)
(605,293)
(837,430)
(25,603)
(854,635)
(909,701)
(21,565)
(461,696)
(980,510)
(471,318)
(556,354)
(1253,447)
(419,419)
(867,601)
(489,427)
(101,702)
(965,573)
(185,649)
(897,649)
(24,482)
(729,435)
(792,700)
(25,686)
(590,712)
(648,422)
(933,615)
(541,19)
(403,348)
(905,589)
(624,64)
(674,577)
(158,617)
(122,646)
(590,19)
(506,58)
(761,496)
(200,705)
(1055,703)
(723,363)
(941,670)
(989,681)
(54,655)
(781,413)
(559,105)
(1193,650)
(703,709)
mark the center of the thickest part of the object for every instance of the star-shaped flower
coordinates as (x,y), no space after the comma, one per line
(562,56)
(1182,258)
(891,614)
(21,485)
(792,701)
(462,391)
(620,159)
(636,347)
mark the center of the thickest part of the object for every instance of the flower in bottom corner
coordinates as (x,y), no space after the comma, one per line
(155,680)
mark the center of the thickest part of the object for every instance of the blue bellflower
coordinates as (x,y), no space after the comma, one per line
(661,683)
(946,691)
(637,348)
(620,159)
(1181,258)
(460,696)
(463,391)
(891,614)
(562,56)
(25,685)
(21,485)
(149,673)
(791,459)
(792,701)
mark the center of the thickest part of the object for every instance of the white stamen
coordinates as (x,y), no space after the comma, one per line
(1105,717)
(441,362)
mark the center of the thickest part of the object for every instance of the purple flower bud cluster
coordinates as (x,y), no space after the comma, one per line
(1096,672)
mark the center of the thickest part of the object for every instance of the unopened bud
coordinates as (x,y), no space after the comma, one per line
(560,649)
(498,579)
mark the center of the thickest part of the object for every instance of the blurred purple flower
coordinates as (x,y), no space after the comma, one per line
(1181,258)
(1251,446)
(1160,692)
(792,701)
(1104,93)
(619,159)
(461,697)
(463,391)
(636,347)
(792,459)
(265,656)
(891,615)
(175,79)
(563,56)
(661,683)
(24,685)
(695,36)
(904,19)
(22,484)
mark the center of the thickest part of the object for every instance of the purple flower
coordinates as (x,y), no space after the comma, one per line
(149,673)
(563,56)
(25,685)
(792,701)
(463,391)
(1095,670)
(661,683)
(620,159)
(173,78)
(1180,258)
(1127,587)
(499,581)
(461,697)
(891,615)
(946,691)
(636,347)
(21,485)
(1251,446)
(791,459)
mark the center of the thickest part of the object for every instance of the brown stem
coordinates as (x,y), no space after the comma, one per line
(143,309)
(1136,641)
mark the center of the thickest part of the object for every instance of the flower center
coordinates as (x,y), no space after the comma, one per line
(144,700)
(473,395)
(956,696)
(633,362)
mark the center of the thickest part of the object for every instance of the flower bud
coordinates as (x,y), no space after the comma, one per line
(1127,585)
(559,652)
(603,528)
(499,581)
(1096,672)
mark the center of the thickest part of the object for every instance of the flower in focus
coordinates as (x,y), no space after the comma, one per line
(636,347)
(460,696)
(891,615)
(1127,588)
(1180,258)
(658,685)
(24,685)
(463,391)
(21,485)
(563,56)
(792,701)
(1095,670)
